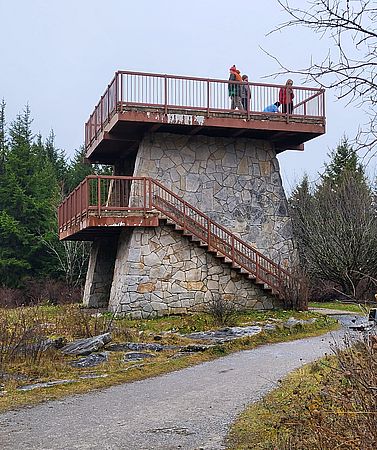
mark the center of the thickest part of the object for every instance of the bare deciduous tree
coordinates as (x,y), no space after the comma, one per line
(72,258)
(350,66)
(336,228)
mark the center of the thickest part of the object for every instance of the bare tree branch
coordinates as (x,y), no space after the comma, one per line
(350,65)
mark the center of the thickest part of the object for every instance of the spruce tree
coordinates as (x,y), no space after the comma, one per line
(336,225)
(343,159)
(28,200)
(3,138)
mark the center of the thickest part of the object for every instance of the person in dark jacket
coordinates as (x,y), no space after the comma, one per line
(245,93)
(286,96)
(234,90)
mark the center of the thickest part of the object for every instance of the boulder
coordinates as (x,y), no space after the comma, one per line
(87,345)
(139,346)
(90,361)
(136,356)
(30,387)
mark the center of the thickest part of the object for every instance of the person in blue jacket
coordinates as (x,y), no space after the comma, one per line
(274,108)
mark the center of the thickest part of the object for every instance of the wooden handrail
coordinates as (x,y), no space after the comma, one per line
(261,261)
(117,96)
(154,195)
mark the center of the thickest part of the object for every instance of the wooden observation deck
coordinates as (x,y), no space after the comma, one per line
(135,103)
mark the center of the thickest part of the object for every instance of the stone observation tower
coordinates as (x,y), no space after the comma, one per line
(196,205)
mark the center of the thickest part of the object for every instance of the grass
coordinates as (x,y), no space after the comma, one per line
(327,404)
(352,307)
(70,322)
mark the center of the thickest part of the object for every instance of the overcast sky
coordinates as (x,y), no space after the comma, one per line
(59,56)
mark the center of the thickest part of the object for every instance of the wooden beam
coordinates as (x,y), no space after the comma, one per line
(195,130)
(281,148)
(155,127)
(238,133)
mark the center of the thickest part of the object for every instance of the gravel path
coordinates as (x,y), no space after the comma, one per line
(188,409)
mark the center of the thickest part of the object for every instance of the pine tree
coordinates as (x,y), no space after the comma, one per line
(336,225)
(79,169)
(28,200)
(3,138)
(343,159)
(58,160)
(300,204)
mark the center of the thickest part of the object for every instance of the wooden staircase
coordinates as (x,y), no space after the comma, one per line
(217,240)
(216,253)
(102,205)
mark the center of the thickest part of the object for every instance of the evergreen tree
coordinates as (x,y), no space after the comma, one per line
(3,138)
(336,225)
(58,160)
(343,159)
(79,169)
(300,204)
(28,200)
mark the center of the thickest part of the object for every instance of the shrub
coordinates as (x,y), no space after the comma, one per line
(222,311)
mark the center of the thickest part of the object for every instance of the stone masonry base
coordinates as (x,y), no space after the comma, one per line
(158,272)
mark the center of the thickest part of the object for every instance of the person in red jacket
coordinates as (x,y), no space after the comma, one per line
(235,89)
(286,96)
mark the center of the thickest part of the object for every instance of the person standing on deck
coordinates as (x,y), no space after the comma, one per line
(234,90)
(286,96)
(245,93)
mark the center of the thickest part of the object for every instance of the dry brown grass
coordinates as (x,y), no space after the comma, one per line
(331,404)
(24,360)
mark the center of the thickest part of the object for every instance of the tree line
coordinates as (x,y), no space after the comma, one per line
(34,177)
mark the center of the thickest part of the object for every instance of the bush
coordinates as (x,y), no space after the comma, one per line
(35,292)
(222,311)
(296,292)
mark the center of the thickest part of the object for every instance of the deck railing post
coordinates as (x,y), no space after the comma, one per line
(121,91)
(257,265)
(208,94)
(99,196)
(209,233)
(248,101)
(166,94)
(150,192)
(108,102)
(101,113)
(86,197)
(144,194)
(232,250)
(184,215)
(323,104)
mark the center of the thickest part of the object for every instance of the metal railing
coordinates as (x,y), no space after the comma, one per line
(107,195)
(206,96)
